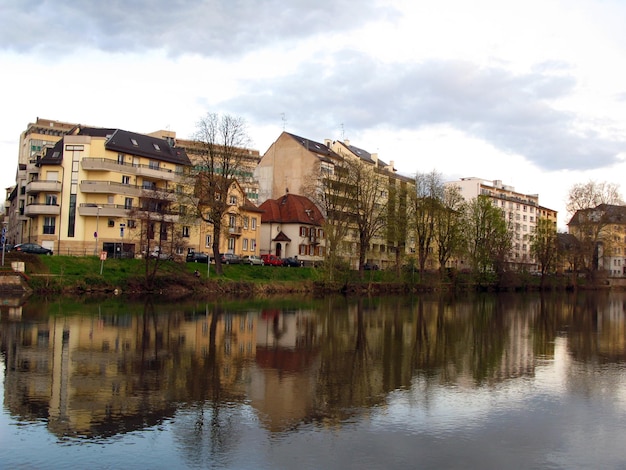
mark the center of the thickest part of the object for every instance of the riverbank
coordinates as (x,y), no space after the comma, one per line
(88,275)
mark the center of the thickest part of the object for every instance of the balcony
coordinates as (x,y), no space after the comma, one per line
(110,187)
(121,211)
(150,171)
(236,231)
(34,209)
(41,186)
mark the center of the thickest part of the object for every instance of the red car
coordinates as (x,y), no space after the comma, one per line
(271,260)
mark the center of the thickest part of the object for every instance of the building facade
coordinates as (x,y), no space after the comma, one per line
(521,211)
(292,227)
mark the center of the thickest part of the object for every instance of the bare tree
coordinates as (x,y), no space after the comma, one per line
(398,220)
(427,199)
(592,206)
(329,190)
(449,226)
(219,156)
(155,215)
(588,195)
(368,200)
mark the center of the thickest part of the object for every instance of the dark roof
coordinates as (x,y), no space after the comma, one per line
(604,213)
(54,155)
(146,146)
(281,237)
(124,141)
(362,154)
(320,149)
(291,208)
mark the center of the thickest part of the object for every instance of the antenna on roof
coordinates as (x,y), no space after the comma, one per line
(284,119)
(343,136)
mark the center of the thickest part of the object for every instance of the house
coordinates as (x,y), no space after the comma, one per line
(291,226)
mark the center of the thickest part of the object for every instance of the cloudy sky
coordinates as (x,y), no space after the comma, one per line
(532,93)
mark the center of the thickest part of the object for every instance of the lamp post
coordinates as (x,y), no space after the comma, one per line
(95,251)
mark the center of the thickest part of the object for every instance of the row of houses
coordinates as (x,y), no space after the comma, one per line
(79,191)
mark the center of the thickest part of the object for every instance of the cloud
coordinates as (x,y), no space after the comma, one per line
(209,28)
(516,112)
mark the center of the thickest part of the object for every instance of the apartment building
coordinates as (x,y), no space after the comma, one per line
(520,210)
(83,190)
(34,142)
(293,164)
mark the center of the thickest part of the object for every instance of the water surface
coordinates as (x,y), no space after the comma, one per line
(494,381)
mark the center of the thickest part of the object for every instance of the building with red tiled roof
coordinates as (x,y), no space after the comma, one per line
(291,226)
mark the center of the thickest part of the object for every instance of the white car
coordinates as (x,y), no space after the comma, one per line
(252,259)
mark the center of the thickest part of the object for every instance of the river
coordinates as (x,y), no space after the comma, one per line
(427,382)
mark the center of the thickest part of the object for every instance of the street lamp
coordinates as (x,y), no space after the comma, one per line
(95,251)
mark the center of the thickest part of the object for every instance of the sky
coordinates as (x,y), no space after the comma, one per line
(532,93)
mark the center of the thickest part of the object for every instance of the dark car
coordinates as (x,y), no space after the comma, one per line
(370,267)
(229,258)
(197,258)
(291,263)
(32,248)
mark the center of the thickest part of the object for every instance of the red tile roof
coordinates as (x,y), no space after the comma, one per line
(291,208)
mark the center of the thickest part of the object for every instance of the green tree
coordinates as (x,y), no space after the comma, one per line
(427,203)
(544,246)
(488,238)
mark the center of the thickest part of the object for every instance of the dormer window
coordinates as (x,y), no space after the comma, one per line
(134,142)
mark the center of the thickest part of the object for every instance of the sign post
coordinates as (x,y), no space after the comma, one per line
(103,256)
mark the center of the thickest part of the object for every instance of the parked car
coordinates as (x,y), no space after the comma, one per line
(32,248)
(291,263)
(158,253)
(271,260)
(197,258)
(230,258)
(252,260)
(370,267)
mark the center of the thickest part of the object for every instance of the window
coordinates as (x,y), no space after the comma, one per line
(232,200)
(128,203)
(246,222)
(153,165)
(130,223)
(245,244)
(231,221)
(303,231)
(185,231)
(302,250)
(231,244)
(252,244)
(110,223)
(125,179)
(48,225)
(253,223)
(207,241)
(120,158)
(156,147)
(51,200)
(134,142)
(320,233)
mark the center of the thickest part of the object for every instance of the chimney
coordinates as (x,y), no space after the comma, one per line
(375,158)
(327,142)
(392,165)
(347,142)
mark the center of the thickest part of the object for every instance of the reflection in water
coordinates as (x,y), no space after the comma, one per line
(216,377)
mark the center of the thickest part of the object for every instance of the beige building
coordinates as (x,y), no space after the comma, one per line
(520,210)
(34,142)
(292,165)
(82,190)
